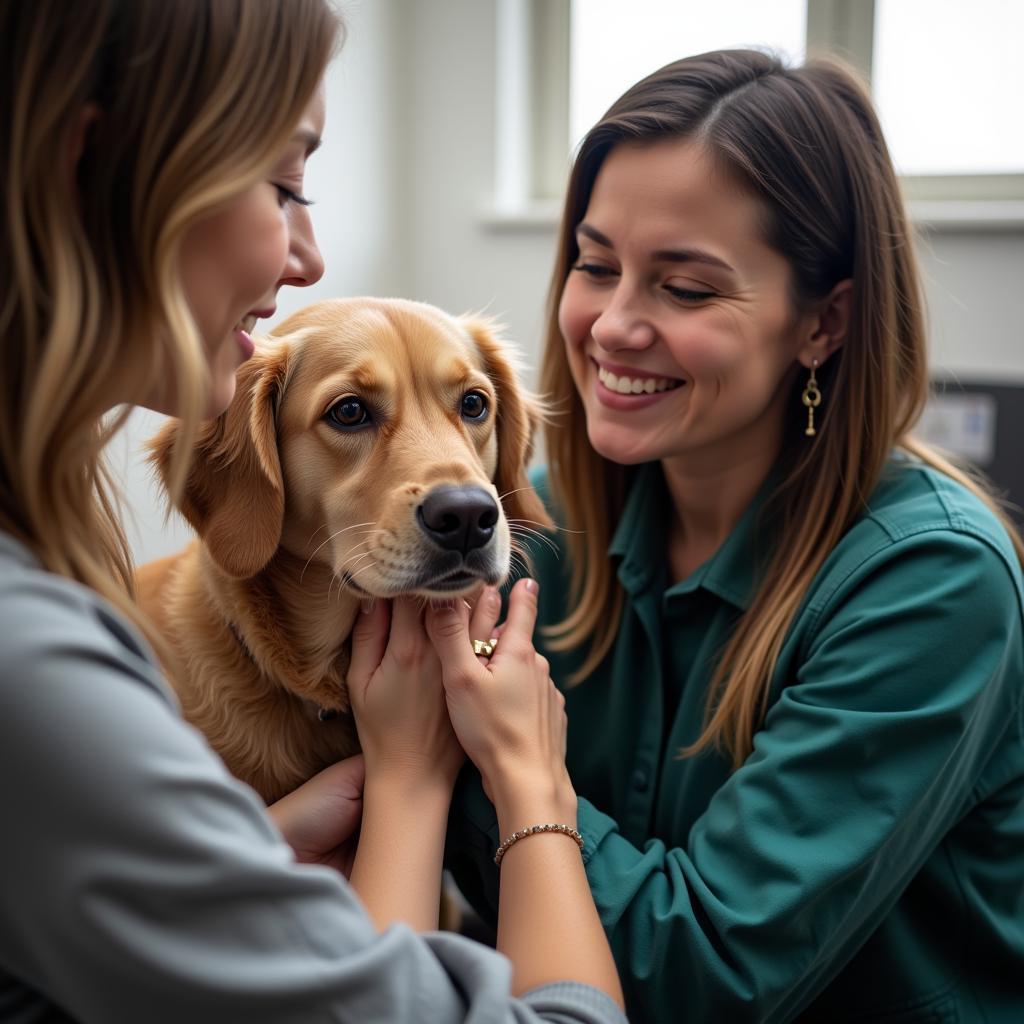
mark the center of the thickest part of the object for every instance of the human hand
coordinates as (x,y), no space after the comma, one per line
(394,684)
(321,818)
(507,713)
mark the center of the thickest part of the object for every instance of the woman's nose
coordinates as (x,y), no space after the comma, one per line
(305,264)
(622,323)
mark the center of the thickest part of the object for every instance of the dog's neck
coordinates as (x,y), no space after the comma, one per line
(294,623)
(319,612)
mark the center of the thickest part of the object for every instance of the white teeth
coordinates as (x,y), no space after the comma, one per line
(635,385)
(247,323)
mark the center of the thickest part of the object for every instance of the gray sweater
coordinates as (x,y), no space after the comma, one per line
(139,881)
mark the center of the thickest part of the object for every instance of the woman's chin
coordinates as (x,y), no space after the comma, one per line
(622,450)
(220,397)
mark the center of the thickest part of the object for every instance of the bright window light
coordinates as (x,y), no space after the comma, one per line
(616,44)
(948,83)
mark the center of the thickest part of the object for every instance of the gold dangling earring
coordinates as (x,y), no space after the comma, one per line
(812,399)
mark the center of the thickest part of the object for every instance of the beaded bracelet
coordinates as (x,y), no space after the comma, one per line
(566,830)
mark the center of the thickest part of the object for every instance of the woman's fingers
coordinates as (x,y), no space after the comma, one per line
(408,641)
(342,780)
(398,702)
(448,628)
(521,618)
(483,620)
(324,812)
(369,641)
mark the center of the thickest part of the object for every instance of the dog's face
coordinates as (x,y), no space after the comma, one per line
(383,439)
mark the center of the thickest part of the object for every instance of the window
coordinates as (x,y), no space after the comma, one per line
(949,97)
(946,77)
(614,44)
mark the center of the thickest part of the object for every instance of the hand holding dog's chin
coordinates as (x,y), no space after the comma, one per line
(398,702)
(506,712)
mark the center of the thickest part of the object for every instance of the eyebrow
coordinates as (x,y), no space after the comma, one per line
(688,255)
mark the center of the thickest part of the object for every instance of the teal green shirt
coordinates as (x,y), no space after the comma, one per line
(866,862)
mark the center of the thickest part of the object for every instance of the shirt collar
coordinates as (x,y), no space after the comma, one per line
(641,540)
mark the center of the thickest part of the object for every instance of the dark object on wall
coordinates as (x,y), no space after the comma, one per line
(983,422)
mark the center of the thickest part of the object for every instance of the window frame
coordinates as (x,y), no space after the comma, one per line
(532,61)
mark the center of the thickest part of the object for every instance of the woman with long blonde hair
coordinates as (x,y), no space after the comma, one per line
(790,634)
(152,158)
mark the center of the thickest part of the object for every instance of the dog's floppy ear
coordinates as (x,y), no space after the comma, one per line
(234,491)
(519,415)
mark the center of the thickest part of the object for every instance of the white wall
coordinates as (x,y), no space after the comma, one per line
(458,260)
(403,187)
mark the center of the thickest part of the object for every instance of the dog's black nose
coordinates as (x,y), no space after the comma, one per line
(458,518)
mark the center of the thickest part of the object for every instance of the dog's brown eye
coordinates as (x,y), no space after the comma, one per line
(348,413)
(474,405)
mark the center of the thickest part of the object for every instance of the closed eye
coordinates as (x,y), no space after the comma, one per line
(687,294)
(595,270)
(286,195)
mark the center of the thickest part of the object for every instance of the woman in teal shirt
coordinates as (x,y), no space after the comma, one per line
(790,635)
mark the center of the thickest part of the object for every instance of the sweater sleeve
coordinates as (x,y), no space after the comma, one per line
(870,754)
(142,882)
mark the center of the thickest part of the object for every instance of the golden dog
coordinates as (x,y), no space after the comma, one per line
(373,448)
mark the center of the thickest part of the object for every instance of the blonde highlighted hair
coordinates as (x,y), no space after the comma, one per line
(806,142)
(123,123)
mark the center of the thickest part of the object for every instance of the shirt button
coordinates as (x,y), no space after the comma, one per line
(639,780)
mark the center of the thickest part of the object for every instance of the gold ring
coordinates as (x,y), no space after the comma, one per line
(485,647)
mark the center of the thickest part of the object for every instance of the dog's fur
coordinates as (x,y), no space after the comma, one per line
(298,520)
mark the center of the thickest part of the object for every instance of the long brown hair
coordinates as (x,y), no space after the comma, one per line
(806,142)
(192,100)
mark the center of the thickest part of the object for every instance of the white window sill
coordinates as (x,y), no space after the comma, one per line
(541,215)
(968,214)
(532,215)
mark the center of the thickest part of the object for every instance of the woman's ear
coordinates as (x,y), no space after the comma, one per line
(829,325)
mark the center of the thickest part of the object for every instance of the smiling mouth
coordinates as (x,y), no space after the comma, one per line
(623,385)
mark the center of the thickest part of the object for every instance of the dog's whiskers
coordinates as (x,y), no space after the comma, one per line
(363,568)
(322,526)
(543,526)
(328,541)
(341,576)
(515,490)
(519,561)
(359,558)
(524,532)
(518,566)
(525,543)
(356,552)
(352,575)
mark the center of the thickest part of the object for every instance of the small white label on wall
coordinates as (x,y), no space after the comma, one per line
(962,424)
